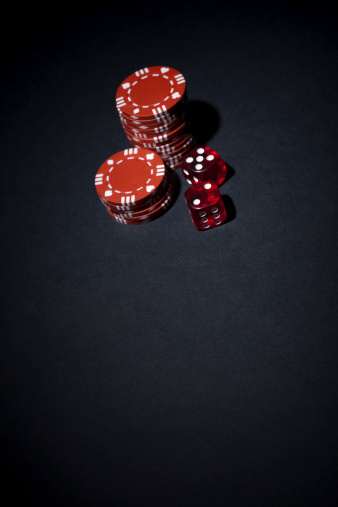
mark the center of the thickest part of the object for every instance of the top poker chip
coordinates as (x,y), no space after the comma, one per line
(130,177)
(150,92)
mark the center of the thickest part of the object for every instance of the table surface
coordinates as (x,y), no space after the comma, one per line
(160,365)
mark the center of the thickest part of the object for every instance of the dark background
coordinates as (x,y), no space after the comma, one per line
(159,365)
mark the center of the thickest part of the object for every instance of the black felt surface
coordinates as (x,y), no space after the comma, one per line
(159,365)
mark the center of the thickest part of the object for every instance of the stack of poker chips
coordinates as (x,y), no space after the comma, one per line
(134,186)
(153,109)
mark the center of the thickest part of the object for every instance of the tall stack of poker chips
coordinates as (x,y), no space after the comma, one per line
(134,186)
(152,105)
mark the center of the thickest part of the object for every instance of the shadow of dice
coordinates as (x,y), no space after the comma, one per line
(204,164)
(206,205)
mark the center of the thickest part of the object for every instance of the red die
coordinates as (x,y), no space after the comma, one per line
(206,205)
(204,164)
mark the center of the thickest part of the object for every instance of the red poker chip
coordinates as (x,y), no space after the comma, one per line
(129,177)
(175,161)
(146,211)
(144,132)
(176,152)
(147,217)
(149,141)
(148,126)
(154,120)
(160,118)
(150,92)
(169,150)
(123,210)
(177,129)
(165,147)
(151,130)
(122,220)
(160,148)
(174,144)
(156,114)
(143,124)
(146,206)
(134,186)
(147,136)
(135,206)
(171,141)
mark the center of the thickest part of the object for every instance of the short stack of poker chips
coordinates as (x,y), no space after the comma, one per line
(134,186)
(153,109)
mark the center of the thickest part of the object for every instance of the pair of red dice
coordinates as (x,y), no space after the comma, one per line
(205,170)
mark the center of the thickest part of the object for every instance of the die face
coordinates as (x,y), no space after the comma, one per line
(206,205)
(204,164)
(210,216)
(203,194)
